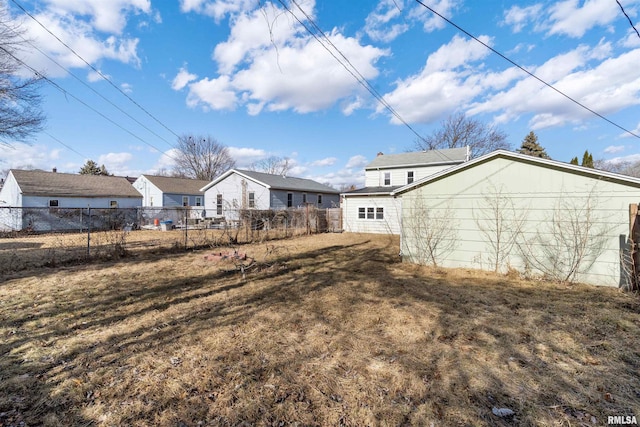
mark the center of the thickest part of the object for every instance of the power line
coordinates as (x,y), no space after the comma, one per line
(65,145)
(351,69)
(67,93)
(529,72)
(95,69)
(630,22)
(90,88)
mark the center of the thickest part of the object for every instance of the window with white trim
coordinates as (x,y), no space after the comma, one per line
(387,178)
(374,213)
(198,201)
(252,199)
(409,177)
(219,204)
(185,201)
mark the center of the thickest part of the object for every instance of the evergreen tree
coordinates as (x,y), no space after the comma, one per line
(531,147)
(574,161)
(92,168)
(587,159)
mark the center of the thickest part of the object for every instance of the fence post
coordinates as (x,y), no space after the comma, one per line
(186,227)
(88,232)
(633,245)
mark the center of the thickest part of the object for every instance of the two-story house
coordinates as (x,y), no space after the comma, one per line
(374,208)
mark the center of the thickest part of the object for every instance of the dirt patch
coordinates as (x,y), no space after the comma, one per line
(329,330)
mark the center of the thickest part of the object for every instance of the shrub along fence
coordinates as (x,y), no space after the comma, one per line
(32,237)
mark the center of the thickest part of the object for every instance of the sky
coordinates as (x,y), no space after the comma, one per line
(309,79)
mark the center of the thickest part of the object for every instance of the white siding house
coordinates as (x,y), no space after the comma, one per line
(40,190)
(166,191)
(511,211)
(241,189)
(374,208)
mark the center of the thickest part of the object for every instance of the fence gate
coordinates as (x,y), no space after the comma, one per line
(634,247)
(334,220)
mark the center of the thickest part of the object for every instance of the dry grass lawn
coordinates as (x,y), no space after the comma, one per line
(324,330)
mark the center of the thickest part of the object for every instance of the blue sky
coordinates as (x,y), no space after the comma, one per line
(249,74)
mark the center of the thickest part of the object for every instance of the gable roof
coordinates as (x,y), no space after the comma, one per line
(419,158)
(277,182)
(41,183)
(523,158)
(172,185)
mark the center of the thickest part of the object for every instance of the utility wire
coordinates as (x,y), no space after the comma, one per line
(67,93)
(351,69)
(91,88)
(65,145)
(529,72)
(630,21)
(95,69)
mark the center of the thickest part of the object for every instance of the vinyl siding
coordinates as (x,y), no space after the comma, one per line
(389,225)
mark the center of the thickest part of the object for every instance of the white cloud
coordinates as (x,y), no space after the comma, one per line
(270,62)
(20,155)
(126,87)
(574,20)
(608,86)
(328,161)
(444,84)
(517,17)
(430,21)
(377,22)
(166,161)
(217,9)
(631,158)
(116,163)
(614,149)
(182,79)
(358,161)
(107,16)
(245,156)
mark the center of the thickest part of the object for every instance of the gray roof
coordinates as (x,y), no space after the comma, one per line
(419,158)
(41,183)
(280,182)
(168,184)
(366,191)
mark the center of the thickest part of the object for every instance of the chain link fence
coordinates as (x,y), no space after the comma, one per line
(37,237)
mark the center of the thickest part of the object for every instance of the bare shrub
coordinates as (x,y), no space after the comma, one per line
(501,223)
(432,231)
(570,240)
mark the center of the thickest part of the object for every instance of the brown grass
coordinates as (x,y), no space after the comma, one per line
(325,330)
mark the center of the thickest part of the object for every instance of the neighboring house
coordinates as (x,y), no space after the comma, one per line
(242,189)
(506,210)
(54,191)
(165,191)
(374,208)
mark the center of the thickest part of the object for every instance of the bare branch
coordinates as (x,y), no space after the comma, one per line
(202,157)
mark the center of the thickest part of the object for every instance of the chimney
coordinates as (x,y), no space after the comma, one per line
(380,153)
(54,170)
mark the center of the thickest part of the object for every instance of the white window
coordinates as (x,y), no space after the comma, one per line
(185,201)
(219,204)
(371,213)
(198,201)
(252,199)
(409,177)
(387,178)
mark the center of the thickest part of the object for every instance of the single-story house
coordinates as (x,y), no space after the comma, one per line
(166,191)
(32,198)
(506,210)
(374,208)
(239,189)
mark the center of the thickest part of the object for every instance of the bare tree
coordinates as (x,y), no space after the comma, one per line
(501,224)
(570,240)
(274,165)
(201,157)
(624,167)
(20,113)
(431,232)
(460,131)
